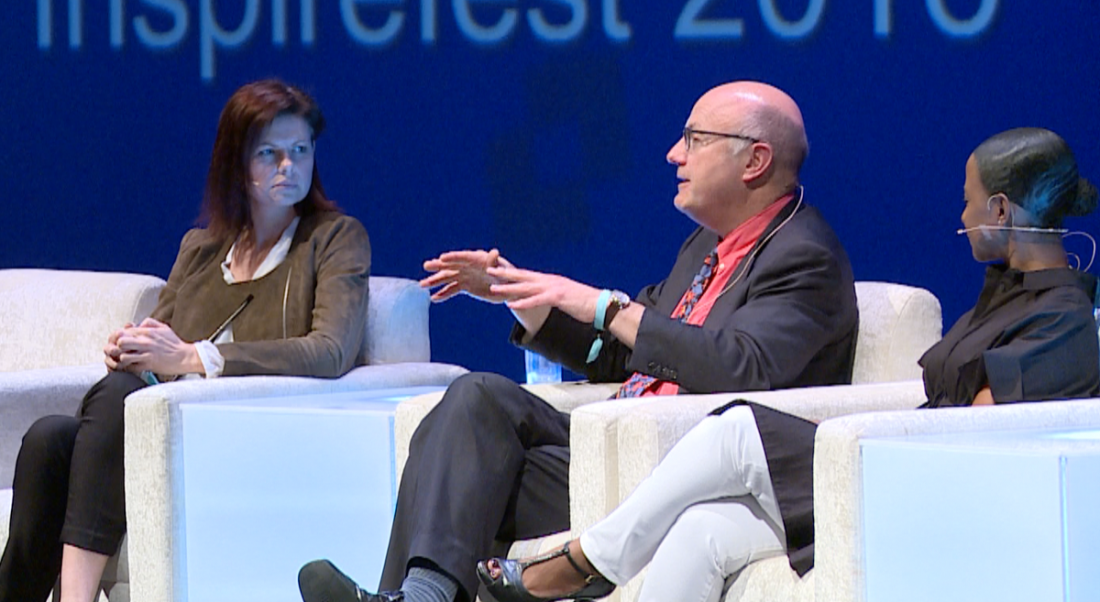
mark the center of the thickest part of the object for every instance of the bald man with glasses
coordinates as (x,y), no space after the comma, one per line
(761,297)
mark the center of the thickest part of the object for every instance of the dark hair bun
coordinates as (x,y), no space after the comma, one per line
(1085,203)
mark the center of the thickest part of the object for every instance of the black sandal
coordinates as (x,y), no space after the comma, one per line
(508,586)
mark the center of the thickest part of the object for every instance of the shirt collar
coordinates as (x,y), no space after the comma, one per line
(1038,280)
(751,229)
(274,257)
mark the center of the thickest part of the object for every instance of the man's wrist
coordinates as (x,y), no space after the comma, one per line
(608,304)
(618,301)
(602,302)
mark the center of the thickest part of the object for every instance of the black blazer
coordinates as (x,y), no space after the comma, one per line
(790,321)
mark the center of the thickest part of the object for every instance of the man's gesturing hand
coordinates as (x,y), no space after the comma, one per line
(465,272)
(526,289)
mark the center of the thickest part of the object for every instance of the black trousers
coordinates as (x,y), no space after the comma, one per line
(489,463)
(68,489)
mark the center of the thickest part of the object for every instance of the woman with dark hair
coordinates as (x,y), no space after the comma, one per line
(276,283)
(738,487)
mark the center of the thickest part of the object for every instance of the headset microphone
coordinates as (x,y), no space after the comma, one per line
(1060,231)
(1016,228)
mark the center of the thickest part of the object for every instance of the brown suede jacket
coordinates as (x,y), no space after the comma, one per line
(306,318)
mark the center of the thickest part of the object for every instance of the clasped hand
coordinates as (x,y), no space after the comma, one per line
(152,346)
(486,275)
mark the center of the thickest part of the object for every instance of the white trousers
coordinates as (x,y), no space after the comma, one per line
(705,512)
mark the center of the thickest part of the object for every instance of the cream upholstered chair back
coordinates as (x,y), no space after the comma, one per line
(397,323)
(897,324)
(54,318)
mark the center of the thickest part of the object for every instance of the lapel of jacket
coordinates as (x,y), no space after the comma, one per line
(687,265)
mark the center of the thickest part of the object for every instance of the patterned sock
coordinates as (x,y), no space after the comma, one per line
(426,585)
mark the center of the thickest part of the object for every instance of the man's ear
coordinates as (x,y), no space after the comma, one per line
(758,161)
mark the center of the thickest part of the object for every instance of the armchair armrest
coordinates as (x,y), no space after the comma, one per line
(594,460)
(649,432)
(155,538)
(5,515)
(838,475)
(27,395)
(618,443)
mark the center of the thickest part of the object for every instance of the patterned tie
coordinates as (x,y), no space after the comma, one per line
(638,382)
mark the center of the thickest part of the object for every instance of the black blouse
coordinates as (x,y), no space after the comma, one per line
(1031,337)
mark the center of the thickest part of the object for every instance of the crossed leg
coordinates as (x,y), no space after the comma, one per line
(721,458)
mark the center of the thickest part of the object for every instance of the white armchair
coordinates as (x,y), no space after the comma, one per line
(397,348)
(897,324)
(838,480)
(615,444)
(53,324)
(648,432)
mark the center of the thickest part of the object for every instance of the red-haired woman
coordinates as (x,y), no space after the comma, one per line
(276,283)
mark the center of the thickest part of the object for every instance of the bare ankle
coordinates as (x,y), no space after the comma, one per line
(579,557)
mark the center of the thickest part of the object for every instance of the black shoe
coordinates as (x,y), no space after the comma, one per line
(321,581)
(508,586)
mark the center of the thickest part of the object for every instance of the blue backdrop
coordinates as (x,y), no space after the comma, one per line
(537,126)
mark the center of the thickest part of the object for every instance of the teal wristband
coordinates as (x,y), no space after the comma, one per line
(149,378)
(601,310)
(594,350)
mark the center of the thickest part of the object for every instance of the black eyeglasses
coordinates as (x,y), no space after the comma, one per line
(690,137)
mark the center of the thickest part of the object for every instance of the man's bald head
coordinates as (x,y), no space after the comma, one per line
(741,150)
(766,113)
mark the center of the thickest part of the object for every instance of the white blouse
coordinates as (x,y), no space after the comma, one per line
(212,361)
